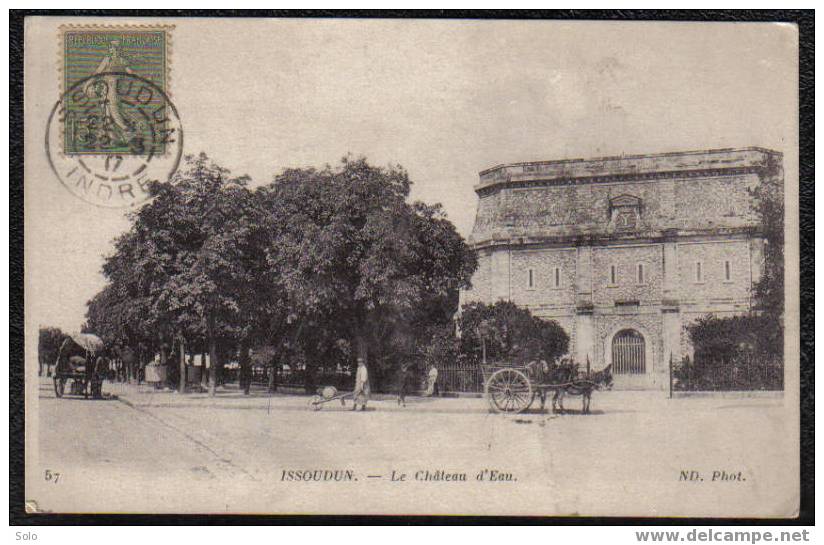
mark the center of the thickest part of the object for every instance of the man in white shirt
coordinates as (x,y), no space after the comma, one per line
(431,381)
(361,393)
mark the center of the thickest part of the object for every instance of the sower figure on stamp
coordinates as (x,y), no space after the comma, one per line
(115,63)
(361,393)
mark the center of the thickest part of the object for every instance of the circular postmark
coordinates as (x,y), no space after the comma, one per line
(110,136)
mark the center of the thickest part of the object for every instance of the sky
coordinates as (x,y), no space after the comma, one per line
(444,99)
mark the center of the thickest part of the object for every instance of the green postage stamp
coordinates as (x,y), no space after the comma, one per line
(115,83)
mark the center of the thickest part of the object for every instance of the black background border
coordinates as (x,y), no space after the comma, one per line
(805,19)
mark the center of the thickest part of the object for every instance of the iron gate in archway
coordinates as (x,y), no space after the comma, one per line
(628,353)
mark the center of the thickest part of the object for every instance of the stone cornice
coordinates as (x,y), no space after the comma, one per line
(514,183)
(683,165)
(596,240)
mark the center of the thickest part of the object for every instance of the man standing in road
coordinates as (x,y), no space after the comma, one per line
(361,393)
(431,381)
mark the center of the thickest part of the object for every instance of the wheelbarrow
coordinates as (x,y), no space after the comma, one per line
(328,394)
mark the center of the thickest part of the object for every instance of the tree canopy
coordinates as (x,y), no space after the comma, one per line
(350,251)
(48,345)
(323,263)
(731,353)
(769,290)
(190,266)
(507,332)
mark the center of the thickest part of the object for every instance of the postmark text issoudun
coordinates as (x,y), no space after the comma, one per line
(114,129)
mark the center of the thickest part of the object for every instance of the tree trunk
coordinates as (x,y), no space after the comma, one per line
(163,358)
(182,382)
(273,385)
(362,346)
(309,377)
(210,326)
(221,352)
(204,377)
(135,362)
(245,367)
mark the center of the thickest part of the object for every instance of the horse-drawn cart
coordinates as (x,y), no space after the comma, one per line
(511,388)
(86,372)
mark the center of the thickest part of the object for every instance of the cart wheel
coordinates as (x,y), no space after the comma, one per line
(59,386)
(509,391)
(315,403)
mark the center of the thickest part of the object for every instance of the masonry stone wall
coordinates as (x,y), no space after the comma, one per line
(665,212)
(626,259)
(716,202)
(481,281)
(713,285)
(695,204)
(544,293)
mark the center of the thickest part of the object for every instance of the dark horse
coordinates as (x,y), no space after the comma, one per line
(549,374)
(565,378)
(583,385)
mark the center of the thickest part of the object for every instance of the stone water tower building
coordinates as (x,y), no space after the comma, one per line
(623,252)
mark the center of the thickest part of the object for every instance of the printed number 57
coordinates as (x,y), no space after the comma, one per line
(52,476)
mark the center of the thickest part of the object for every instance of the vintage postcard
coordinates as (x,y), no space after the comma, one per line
(411,267)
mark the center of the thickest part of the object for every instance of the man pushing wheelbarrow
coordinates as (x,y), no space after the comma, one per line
(359,396)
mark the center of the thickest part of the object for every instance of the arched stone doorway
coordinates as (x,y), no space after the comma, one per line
(629,353)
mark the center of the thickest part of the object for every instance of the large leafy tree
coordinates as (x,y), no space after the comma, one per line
(48,346)
(190,266)
(504,331)
(320,264)
(768,199)
(215,279)
(359,261)
(731,353)
(115,318)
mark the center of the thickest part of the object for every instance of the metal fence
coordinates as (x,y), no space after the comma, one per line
(745,374)
(741,374)
(297,378)
(460,377)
